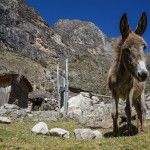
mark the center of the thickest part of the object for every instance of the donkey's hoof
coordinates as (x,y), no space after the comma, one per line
(115,134)
(141,131)
(130,133)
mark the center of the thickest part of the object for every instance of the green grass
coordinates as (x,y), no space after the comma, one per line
(18,136)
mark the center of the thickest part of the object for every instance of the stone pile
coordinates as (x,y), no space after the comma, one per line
(49,104)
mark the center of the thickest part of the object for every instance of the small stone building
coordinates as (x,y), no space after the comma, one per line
(14,89)
(42,100)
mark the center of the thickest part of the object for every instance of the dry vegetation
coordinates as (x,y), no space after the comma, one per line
(18,135)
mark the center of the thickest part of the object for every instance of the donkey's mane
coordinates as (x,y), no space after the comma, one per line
(117,48)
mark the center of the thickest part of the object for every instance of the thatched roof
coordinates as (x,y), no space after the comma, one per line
(9,76)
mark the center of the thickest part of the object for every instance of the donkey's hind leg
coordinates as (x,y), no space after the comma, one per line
(114,113)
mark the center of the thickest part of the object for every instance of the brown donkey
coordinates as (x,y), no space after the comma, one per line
(127,75)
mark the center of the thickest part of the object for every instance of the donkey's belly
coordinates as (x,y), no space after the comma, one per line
(123,94)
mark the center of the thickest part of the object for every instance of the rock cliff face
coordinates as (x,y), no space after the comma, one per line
(34,48)
(23,30)
(84,38)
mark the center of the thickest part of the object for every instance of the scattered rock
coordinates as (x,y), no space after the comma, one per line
(11,106)
(97,134)
(40,128)
(5,120)
(59,132)
(84,134)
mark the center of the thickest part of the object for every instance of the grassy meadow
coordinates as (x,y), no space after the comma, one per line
(18,136)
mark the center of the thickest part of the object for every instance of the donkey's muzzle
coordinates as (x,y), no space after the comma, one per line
(142,75)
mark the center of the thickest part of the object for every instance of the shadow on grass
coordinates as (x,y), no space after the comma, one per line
(123,131)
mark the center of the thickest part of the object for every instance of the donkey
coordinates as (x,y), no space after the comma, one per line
(127,75)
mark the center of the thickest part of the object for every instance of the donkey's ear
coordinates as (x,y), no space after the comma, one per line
(124,26)
(141,25)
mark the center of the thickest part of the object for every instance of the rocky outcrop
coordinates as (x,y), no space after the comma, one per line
(23,30)
(93,51)
(84,38)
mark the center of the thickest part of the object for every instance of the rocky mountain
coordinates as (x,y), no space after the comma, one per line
(30,46)
(24,31)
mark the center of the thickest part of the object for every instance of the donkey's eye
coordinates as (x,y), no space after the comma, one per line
(144,46)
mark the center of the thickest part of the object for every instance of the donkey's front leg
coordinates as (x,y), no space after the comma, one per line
(114,113)
(128,110)
(142,115)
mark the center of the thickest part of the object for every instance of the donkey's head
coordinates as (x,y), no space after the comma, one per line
(132,48)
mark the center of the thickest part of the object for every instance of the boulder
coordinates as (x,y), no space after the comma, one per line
(97,134)
(84,134)
(5,120)
(59,132)
(89,111)
(40,128)
(92,112)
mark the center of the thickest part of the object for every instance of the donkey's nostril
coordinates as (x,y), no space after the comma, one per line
(143,75)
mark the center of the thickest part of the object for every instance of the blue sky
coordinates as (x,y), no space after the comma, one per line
(105,14)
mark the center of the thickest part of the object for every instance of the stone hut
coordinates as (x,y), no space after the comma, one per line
(38,98)
(14,88)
